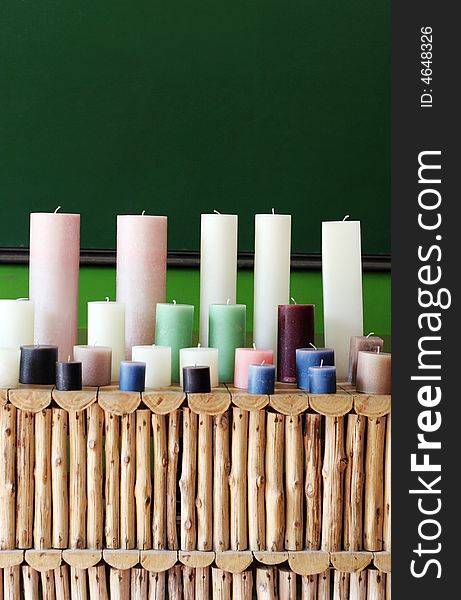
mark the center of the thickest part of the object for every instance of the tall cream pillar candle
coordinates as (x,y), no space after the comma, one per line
(106,327)
(342,288)
(53,278)
(16,323)
(218,265)
(271,277)
(141,274)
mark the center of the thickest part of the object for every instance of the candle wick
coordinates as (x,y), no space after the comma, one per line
(293,300)
(68,358)
(58,208)
(143,213)
(17,299)
(321,363)
(107,298)
(174,301)
(216,212)
(263,362)
(199,345)
(254,346)
(378,349)
(273,211)
(311,344)
(228,301)
(371,333)
(346,217)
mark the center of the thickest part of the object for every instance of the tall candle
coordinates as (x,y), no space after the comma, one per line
(207,357)
(295,330)
(106,327)
(53,278)
(141,274)
(218,265)
(174,328)
(16,323)
(271,276)
(226,333)
(9,367)
(249,356)
(374,372)
(342,288)
(158,364)
(369,343)
(96,364)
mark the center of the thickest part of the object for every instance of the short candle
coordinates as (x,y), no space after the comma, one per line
(158,364)
(96,364)
(38,365)
(322,380)
(261,379)
(226,332)
(173,327)
(68,376)
(132,376)
(106,327)
(369,343)
(311,357)
(16,323)
(249,356)
(9,367)
(374,372)
(196,379)
(200,356)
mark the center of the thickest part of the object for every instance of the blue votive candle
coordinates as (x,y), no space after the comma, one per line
(322,380)
(311,357)
(261,379)
(132,376)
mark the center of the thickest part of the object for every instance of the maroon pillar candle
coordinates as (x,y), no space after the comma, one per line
(295,330)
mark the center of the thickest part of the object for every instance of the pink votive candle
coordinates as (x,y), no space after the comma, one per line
(374,372)
(96,364)
(249,356)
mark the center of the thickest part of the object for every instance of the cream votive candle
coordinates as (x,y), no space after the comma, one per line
(158,364)
(374,372)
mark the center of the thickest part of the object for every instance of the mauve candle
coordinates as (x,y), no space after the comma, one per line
(360,342)
(37,365)
(295,330)
(68,376)
(249,356)
(96,364)
(374,372)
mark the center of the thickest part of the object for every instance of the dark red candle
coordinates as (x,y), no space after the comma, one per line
(295,330)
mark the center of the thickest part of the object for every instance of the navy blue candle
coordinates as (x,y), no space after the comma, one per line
(38,365)
(68,376)
(196,379)
(261,379)
(132,376)
(311,357)
(322,380)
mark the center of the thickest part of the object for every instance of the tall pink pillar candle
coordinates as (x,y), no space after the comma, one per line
(249,356)
(53,279)
(141,274)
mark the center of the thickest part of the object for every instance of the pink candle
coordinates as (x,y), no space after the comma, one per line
(53,279)
(249,356)
(96,364)
(141,274)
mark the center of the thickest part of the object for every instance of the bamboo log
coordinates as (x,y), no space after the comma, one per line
(313,482)
(48,588)
(266,585)
(353,483)
(95,427)
(61,581)
(221,584)
(59,490)
(376,585)
(112,483)
(287,582)
(256,480)
(77,480)
(157,589)
(42,509)
(323,585)
(7,477)
(97,583)
(187,482)
(358,585)
(139,581)
(334,463)
(25,458)
(275,497)
(387,489)
(221,483)
(204,501)
(388,586)
(1,585)
(175,583)
(309,587)
(242,583)
(12,582)
(294,482)
(127,466)
(374,485)
(143,486)
(159,530)
(188,583)
(238,480)
(172,469)
(78,590)
(119,582)
(202,583)
(340,586)
(29,581)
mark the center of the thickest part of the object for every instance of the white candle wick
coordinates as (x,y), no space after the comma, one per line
(346,217)
(68,358)
(107,299)
(263,362)
(371,333)
(254,346)
(311,344)
(321,363)
(58,208)
(228,301)
(273,211)
(293,300)
(143,213)
(18,299)
(174,301)
(378,349)
(216,212)
(199,345)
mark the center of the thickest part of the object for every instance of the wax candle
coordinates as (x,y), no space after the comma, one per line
(196,379)
(174,328)
(322,380)
(374,372)
(158,364)
(96,364)
(68,375)
(342,288)
(141,274)
(53,278)
(248,356)
(311,357)
(200,356)
(132,376)
(360,342)
(295,330)
(218,265)
(16,323)
(9,367)
(271,276)
(106,327)
(261,379)
(37,365)
(226,333)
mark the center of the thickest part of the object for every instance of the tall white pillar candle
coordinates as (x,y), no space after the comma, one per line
(106,327)
(342,288)
(16,323)
(53,278)
(9,367)
(203,357)
(218,265)
(158,364)
(271,277)
(141,274)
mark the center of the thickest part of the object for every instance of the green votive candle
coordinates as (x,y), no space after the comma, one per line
(173,327)
(226,332)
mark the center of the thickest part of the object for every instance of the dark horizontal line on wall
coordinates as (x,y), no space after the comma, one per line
(185,259)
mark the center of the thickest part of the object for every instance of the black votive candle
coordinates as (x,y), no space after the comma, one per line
(68,376)
(38,365)
(196,380)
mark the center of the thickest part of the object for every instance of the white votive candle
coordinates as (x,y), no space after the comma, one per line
(16,323)
(206,357)
(9,367)
(158,364)
(106,327)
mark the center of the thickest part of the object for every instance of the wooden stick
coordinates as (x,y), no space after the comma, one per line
(25,458)
(187,482)
(97,583)
(374,485)
(275,497)
(287,581)
(309,587)
(266,586)
(221,483)
(172,469)
(95,427)
(376,588)
(119,582)
(29,581)
(387,489)
(59,483)
(333,479)
(139,579)
(159,530)
(340,586)
(242,583)
(156,586)
(127,466)
(78,577)
(7,476)
(12,582)
(323,585)
(238,480)
(42,509)
(204,501)
(1,585)
(61,581)
(48,588)
(143,486)
(77,481)
(112,483)
(294,483)
(221,584)
(388,586)
(358,585)
(256,480)
(313,482)
(188,583)
(175,583)
(202,583)
(353,482)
